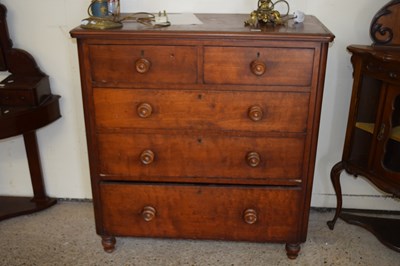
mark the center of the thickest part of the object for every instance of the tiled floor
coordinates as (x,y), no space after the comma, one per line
(65,235)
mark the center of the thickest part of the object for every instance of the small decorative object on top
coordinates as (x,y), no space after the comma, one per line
(266,15)
(103,14)
(98,8)
(103,8)
(298,16)
(113,8)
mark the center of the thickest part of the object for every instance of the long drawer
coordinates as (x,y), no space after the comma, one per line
(185,157)
(143,64)
(190,109)
(205,212)
(258,66)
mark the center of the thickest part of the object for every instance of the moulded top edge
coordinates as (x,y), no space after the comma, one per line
(217,26)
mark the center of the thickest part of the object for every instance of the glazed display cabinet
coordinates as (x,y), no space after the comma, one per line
(372,144)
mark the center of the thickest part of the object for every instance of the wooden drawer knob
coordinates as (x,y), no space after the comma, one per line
(258,67)
(148,213)
(147,157)
(255,113)
(253,159)
(250,216)
(142,65)
(144,110)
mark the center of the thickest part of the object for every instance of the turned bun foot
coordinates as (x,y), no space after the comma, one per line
(108,243)
(292,250)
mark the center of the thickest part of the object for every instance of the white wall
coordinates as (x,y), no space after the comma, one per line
(42,28)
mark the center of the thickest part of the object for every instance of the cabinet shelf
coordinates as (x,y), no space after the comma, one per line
(369,127)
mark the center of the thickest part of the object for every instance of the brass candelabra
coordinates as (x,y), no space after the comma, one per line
(266,14)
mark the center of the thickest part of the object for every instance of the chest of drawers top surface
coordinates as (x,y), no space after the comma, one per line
(216,25)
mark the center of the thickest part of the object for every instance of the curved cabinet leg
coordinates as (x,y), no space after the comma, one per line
(108,243)
(14,206)
(35,168)
(335,178)
(292,250)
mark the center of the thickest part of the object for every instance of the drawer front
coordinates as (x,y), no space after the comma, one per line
(185,157)
(143,64)
(258,66)
(17,98)
(205,212)
(247,111)
(24,91)
(389,71)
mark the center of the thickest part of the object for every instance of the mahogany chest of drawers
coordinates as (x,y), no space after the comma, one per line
(203,131)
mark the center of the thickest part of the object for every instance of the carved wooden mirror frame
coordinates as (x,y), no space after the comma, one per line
(385,26)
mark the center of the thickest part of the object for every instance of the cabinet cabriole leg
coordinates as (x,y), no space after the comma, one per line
(335,178)
(108,243)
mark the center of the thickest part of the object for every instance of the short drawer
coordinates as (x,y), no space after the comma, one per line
(200,212)
(181,157)
(17,98)
(386,71)
(258,66)
(188,109)
(143,64)
(24,91)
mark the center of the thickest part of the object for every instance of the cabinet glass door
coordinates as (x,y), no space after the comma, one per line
(365,117)
(391,159)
